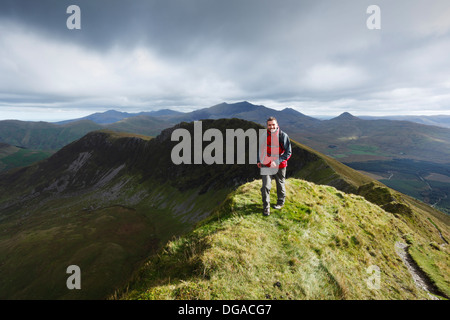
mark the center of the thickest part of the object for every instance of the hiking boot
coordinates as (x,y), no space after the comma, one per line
(278,206)
(266,211)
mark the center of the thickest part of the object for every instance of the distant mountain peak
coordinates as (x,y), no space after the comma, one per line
(291,111)
(346,116)
(111,111)
(224,109)
(241,104)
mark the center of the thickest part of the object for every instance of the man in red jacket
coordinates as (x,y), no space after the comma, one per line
(272,160)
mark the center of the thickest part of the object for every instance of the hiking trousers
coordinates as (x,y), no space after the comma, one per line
(280,178)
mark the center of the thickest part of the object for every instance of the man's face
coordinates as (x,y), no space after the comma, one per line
(272,126)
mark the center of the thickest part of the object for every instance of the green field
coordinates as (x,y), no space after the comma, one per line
(22,158)
(410,177)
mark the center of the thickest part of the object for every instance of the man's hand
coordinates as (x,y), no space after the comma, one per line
(271,164)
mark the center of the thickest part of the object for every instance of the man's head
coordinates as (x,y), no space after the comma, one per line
(272,124)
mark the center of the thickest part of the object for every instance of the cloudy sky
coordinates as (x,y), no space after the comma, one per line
(316,56)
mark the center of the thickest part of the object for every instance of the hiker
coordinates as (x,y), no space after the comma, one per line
(272,160)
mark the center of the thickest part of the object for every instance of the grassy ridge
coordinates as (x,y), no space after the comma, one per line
(319,246)
(103,202)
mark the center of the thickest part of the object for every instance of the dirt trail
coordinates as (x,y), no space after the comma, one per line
(420,278)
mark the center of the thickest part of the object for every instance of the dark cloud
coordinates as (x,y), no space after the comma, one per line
(317,56)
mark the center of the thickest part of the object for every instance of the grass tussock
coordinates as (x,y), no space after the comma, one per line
(320,245)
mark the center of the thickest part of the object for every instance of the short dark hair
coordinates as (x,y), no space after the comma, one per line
(272,119)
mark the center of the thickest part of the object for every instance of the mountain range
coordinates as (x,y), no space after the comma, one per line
(439,120)
(112,116)
(346,137)
(407,156)
(109,202)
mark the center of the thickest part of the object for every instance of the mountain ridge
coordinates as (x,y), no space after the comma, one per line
(112,116)
(301,127)
(320,245)
(356,143)
(108,195)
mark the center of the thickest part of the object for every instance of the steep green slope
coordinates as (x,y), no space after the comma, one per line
(109,200)
(323,244)
(88,205)
(104,203)
(106,235)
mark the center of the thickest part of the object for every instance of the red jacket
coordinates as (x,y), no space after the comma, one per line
(280,151)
